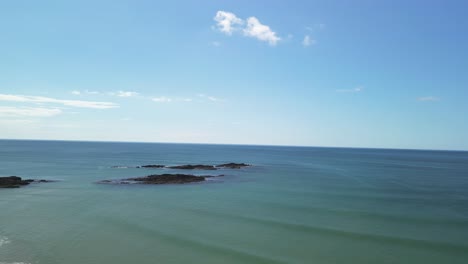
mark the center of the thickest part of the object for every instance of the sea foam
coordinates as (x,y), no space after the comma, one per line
(3,241)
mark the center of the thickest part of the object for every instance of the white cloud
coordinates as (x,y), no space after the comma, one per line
(126,94)
(7,111)
(227,22)
(162,99)
(76,92)
(41,99)
(428,99)
(308,41)
(261,32)
(353,90)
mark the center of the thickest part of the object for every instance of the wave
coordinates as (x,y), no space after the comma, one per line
(3,241)
(455,248)
(228,252)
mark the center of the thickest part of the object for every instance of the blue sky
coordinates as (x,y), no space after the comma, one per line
(389,74)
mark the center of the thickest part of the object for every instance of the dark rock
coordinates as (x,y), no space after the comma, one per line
(16,182)
(168,179)
(157,166)
(12,182)
(233,165)
(193,167)
(42,181)
(161,179)
(213,176)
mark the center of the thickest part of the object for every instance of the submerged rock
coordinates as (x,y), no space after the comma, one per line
(233,165)
(193,167)
(16,182)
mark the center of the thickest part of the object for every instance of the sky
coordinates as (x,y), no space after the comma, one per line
(373,74)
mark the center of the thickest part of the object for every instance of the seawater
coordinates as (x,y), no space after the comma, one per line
(295,205)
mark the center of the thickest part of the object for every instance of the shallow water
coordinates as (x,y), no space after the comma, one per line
(295,205)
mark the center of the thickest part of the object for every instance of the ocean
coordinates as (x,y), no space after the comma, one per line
(294,205)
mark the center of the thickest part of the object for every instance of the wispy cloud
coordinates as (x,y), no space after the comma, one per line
(228,23)
(308,41)
(7,111)
(353,90)
(211,98)
(91,92)
(428,99)
(46,100)
(126,94)
(76,92)
(162,99)
(316,27)
(118,93)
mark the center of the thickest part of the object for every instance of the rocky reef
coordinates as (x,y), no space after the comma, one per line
(193,167)
(161,179)
(230,165)
(168,179)
(16,182)
(233,165)
(156,166)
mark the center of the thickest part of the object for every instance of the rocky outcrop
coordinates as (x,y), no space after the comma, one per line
(156,166)
(168,179)
(230,165)
(233,165)
(161,179)
(193,167)
(16,182)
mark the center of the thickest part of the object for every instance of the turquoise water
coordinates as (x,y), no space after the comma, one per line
(295,205)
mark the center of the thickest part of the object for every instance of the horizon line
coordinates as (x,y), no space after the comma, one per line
(229,144)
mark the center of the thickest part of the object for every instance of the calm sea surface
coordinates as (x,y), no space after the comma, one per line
(295,205)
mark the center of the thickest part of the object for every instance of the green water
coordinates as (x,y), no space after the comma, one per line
(295,205)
